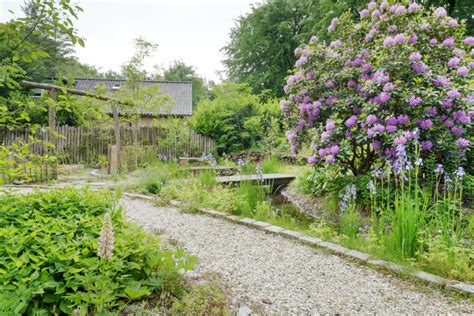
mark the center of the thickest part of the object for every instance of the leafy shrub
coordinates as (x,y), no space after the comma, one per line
(153,178)
(233,118)
(49,262)
(397,70)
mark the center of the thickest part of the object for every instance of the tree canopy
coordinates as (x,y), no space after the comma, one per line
(179,71)
(260,50)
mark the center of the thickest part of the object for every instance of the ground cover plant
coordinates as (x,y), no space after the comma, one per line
(71,251)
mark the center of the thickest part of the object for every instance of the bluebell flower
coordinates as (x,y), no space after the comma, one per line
(439,169)
(459,173)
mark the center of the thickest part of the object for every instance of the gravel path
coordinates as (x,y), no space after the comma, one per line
(286,277)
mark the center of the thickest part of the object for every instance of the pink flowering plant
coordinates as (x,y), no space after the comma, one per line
(401,72)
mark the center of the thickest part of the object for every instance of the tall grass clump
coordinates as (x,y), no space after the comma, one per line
(271,165)
(154,177)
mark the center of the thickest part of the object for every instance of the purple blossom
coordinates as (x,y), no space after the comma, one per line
(426,145)
(413,38)
(378,128)
(333,25)
(391,129)
(367,67)
(463,143)
(351,121)
(311,160)
(388,87)
(461,117)
(330,125)
(448,123)
(400,140)
(439,169)
(425,26)
(384,5)
(384,97)
(462,71)
(392,120)
(469,40)
(431,111)
(440,13)
(298,51)
(453,23)
(330,84)
(403,119)
(453,94)
(454,62)
(457,131)
(352,84)
(334,149)
(336,44)
(415,57)
(471,65)
(425,123)
(376,14)
(400,10)
(389,41)
(372,5)
(330,159)
(376,144)
(415,100)
(364,13)
(419,67)
(433,41)
(400,38)
(449,42)
(283,105)
(313,39)
(381,77)
(413,7)
(310,74)
(441,81)
(371,119)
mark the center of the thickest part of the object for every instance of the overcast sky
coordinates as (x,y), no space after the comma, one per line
(191,30)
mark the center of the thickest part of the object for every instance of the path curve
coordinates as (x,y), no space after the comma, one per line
(284,276)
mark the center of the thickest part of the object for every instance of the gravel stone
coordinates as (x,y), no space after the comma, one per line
(298,279)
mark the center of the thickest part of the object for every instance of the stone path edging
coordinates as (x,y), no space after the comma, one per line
(427,278)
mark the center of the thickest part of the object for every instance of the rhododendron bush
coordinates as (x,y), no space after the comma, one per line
(400,75)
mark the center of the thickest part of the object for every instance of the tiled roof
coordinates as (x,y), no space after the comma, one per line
(180,91)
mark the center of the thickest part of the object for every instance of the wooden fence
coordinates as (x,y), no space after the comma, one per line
(89,144)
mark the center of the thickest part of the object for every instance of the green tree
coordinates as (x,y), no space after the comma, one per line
(233,118)
(179,71)
(54,18)
(141,98)
(260,50)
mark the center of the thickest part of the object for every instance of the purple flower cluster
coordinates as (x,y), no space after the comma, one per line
(355,96)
